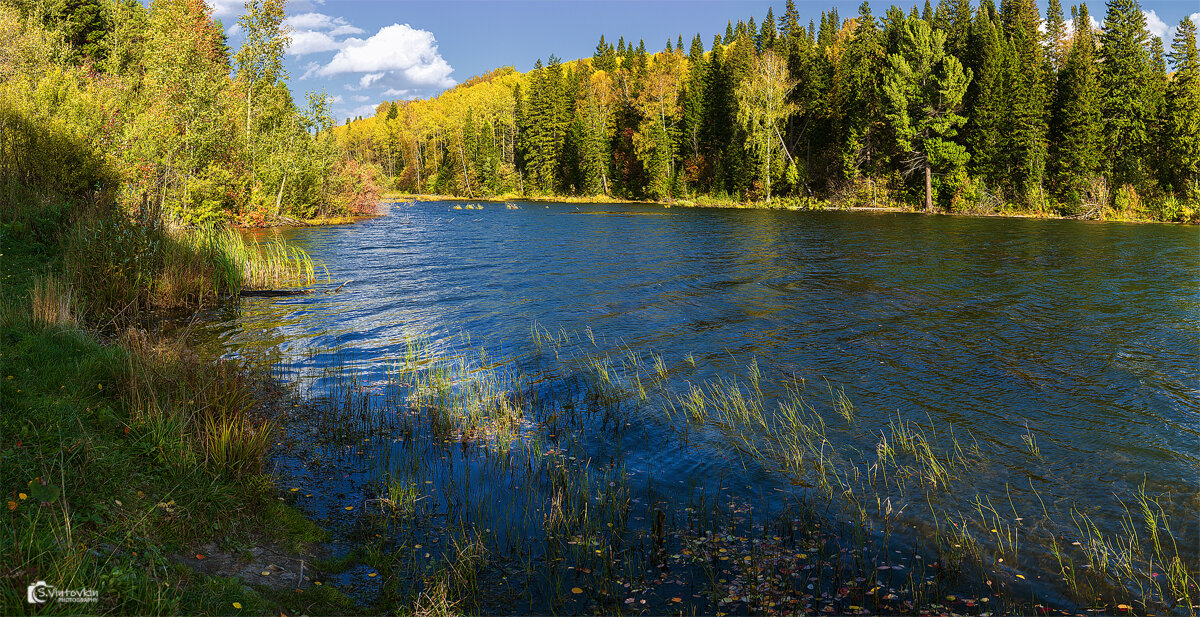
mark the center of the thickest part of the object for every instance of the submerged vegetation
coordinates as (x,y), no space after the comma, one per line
(467,484)
(986,111)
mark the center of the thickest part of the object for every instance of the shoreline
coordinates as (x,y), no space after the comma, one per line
(820,206)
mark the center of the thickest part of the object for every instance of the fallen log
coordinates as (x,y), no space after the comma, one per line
(272,293)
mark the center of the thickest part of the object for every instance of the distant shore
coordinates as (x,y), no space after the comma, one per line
(779,204)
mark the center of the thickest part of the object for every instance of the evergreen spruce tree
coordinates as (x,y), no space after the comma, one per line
(987,101)
(1056,36)
(1076,122)
(857,96)
(1183,112)
(769,30)
(1025,124)
(959,28)
(1124,77)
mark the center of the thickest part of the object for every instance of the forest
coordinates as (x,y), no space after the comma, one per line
(107,101)
(948,108)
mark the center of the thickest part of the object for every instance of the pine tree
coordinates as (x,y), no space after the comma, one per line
(857,97)
(1183,111)
(1124,73)
(959,28)
(1076,122)
(604,59)
(769,31)
(986,98)
(1025,125)
(694,98)
(1056,36)
(923,88)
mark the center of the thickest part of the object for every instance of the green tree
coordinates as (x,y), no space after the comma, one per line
(987,98)
(923,88)
(762,108)
(857,95)
(1025,123)
(1056,36)
(260,74)
(1076,123)
(1183,110)
(1124,77)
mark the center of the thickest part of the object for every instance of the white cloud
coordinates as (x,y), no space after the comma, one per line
(365,111)
(225,8)
(358,98)
(398,56)
(311,42)
(1158,27)
(315,32)
(337,26)
(369,79)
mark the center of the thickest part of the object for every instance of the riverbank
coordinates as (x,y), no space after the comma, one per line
(128,458)
(1191,217)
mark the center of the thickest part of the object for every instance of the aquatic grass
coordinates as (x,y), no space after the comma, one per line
(563,523)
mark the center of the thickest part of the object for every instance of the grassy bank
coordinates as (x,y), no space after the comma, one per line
(119,450)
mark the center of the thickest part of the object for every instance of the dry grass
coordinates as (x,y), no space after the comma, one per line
(52,302)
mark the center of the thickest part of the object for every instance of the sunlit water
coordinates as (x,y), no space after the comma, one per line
(1081,334)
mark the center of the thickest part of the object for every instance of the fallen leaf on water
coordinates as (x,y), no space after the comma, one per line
(1124,607)
(576,590)
(373,574)
(1021,576)
(349,507)
(199,556)
(266,573)
(677,599)
(295,489)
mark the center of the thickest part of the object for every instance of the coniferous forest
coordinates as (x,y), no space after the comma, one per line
(948,108)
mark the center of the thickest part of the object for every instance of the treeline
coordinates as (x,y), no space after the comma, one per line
(107,101)
(984,110)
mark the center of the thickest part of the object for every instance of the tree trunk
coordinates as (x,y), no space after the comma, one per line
(928,188)
(279,195)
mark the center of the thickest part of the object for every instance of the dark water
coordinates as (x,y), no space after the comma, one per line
(1083,335)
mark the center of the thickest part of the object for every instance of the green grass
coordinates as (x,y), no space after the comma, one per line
(117,451)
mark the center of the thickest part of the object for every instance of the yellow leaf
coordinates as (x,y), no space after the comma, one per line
(349,507)
(1021,576)
(373,574)
(23,496)
(99,386)
(266,573)
(576,590)
(295,489)
(237,605)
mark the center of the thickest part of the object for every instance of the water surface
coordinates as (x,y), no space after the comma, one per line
(1083,335)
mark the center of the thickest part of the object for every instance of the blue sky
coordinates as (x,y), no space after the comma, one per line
(366,51)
